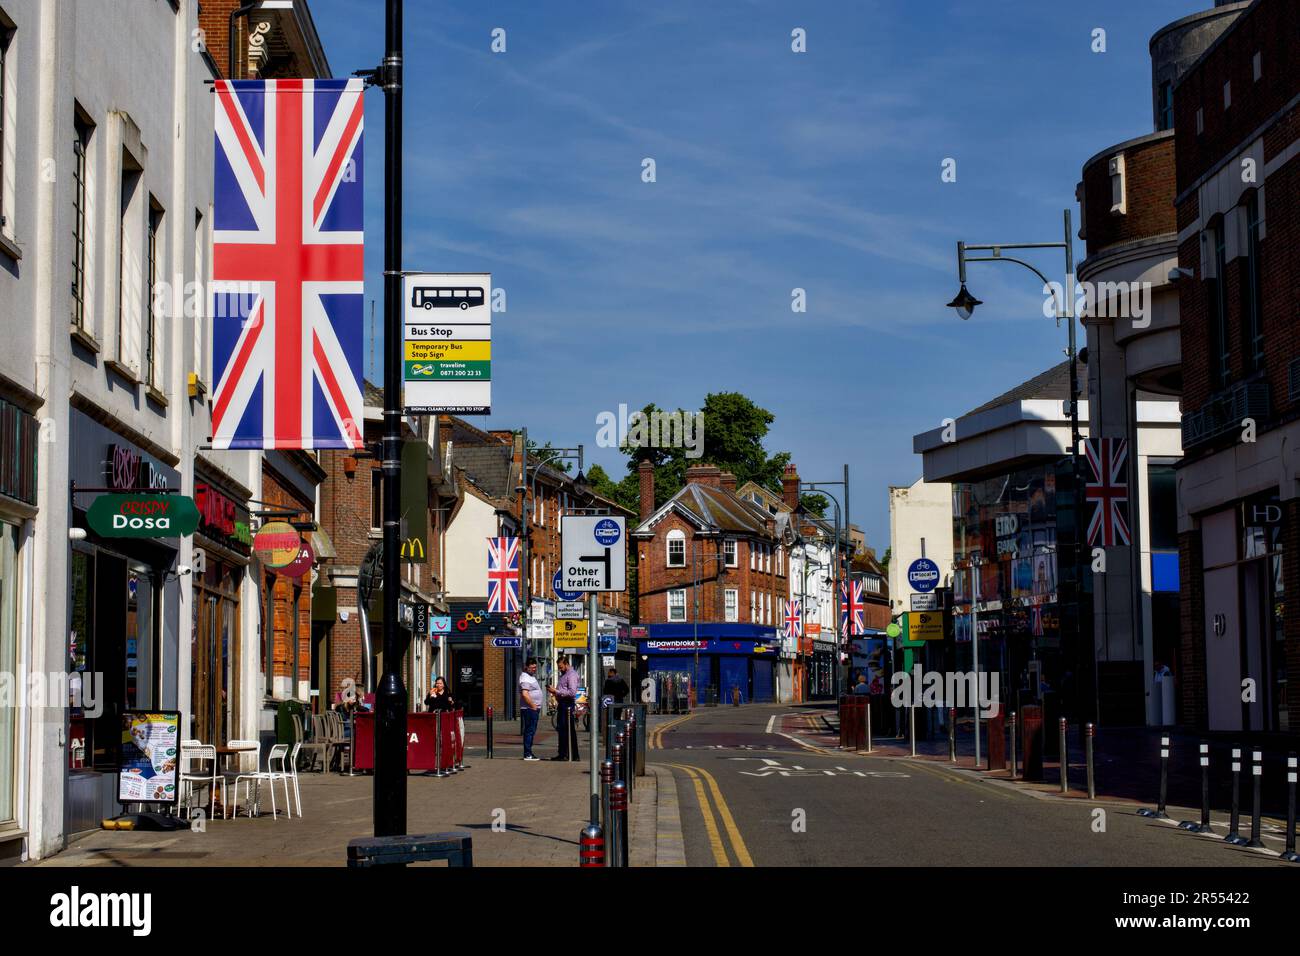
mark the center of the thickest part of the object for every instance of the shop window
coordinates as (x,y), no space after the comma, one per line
(9,592)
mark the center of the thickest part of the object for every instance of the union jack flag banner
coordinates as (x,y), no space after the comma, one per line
(287,269)
(851,608)
(1107,488)
(794,620)
(503,575)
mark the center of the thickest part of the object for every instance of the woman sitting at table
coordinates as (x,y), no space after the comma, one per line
(438,698)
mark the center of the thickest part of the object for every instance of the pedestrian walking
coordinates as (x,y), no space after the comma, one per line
(615,686)
(565,693)
(530,704)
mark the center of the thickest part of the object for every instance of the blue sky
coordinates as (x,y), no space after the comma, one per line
(775,170)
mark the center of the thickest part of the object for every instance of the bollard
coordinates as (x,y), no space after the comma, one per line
(1289,854)
(606,781)
(867,709)
(1204,825)
(619,762)
(952,734)
(618,807)
(1065,757)
(629,760)
(911,728)
(591,846)
(1257,771)
(1013,745)
(489,732)
(1089,732)
(1159,812)
(1234,828)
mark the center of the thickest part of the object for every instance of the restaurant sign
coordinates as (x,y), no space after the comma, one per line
(277,543)
(142,516)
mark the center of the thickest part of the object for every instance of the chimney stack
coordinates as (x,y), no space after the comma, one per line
(709,475)
(646,472)
(790,486)
(728,482)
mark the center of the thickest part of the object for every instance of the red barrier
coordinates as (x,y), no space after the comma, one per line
(447,727)
(421,741)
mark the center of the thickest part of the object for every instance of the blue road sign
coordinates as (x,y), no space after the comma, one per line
(923,575)
(507,642)
(559,592)
(606,532)
(608,644)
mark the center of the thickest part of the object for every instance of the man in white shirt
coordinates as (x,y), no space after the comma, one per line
(530,704)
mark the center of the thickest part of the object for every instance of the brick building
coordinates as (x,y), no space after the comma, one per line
(1134,369)
(712,581)
(351,514)
(1237,201)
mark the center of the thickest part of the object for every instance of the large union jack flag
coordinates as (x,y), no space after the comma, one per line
(503,575)
(1107,489)
(794,619)
(287,270)
(852,608)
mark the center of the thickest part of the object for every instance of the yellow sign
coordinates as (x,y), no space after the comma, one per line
(448,351)
(570,634)
(924,626)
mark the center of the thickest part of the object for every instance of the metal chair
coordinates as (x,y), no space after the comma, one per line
(278,754)
(192,751)
(314,746)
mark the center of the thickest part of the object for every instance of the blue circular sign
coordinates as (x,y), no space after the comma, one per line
(563,595)
(923,575)
(607,532)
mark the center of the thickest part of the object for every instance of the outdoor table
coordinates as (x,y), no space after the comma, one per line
(224,751)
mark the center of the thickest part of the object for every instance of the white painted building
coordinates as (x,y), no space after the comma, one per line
(920,519)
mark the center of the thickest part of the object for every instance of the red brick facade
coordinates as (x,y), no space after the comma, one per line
(1148,192)
(292,638)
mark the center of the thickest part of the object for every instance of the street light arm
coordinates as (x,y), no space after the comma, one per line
(1061,313)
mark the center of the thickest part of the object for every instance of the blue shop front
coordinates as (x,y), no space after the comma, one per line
(716,658)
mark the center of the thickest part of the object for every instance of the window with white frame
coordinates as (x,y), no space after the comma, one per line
(780,559)
(731,604)
(677,605)
(676,549)
(753,607)
(199,297)
(81,217)
(767,608)
(753,555)
(6,132)
(729,549)
(151,276)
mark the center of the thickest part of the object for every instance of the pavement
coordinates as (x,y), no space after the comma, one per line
(518,813)
(764,785)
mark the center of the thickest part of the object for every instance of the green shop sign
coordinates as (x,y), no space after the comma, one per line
(143,516)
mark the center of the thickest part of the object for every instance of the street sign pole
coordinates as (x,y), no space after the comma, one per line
(390,700)
(593,705)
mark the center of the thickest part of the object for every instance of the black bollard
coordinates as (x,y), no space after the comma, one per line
(1089,732)
(606,781)
(1204,825)
(1234,823)
(1064,744)
(1256,771)
(489,733)
(1159,812)
(591,846)
(1289,854)
(952,734)
(618,808)
(1014,773)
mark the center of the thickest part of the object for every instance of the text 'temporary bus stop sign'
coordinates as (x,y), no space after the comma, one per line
(593,549)
(447,345)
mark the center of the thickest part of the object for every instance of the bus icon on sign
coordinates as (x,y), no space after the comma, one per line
(445,297)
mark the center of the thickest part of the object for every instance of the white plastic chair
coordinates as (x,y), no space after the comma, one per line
(279,755)
(292,773)
(194,752)
(234,776)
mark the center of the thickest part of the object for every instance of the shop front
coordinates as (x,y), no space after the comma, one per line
(18,439)
(222,547)
(717,659)
(124,611)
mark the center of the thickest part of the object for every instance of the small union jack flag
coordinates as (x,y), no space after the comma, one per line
(287,268)
(852,608)
(503,575)
(1107,488)
(794,620)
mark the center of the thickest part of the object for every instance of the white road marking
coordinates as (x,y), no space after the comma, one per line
(770,721)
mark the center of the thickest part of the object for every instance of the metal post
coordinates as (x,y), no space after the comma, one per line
(1014,769)
(975,652)
(1065,757)
(1257,771)
(489,732)
(952,734)
(842,670)
(606,781)
(1234,824)
(911,726)
(1289,854)
(868,710)
(1089,732)
(593,704)
(1204,825)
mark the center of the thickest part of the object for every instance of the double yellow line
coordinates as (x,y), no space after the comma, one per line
(699,777)
(655,740)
